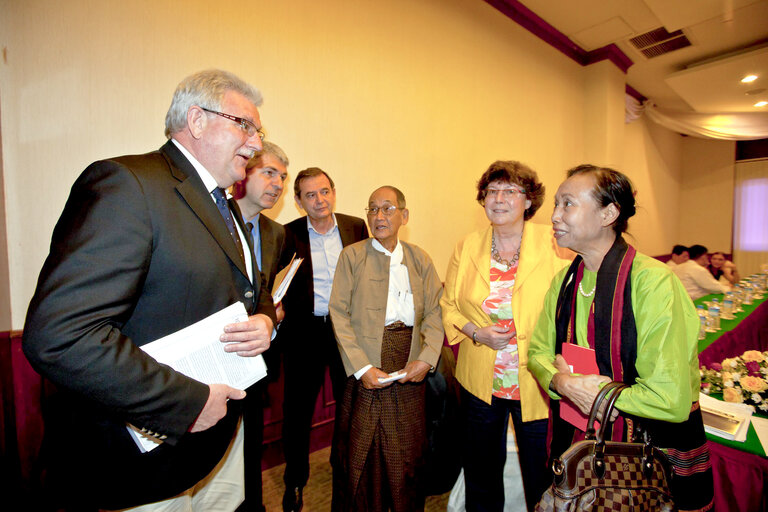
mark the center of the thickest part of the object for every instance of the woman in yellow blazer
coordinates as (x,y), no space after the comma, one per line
(494,292)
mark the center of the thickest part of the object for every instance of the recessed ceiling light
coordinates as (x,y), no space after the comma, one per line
(749,78)
(761,103)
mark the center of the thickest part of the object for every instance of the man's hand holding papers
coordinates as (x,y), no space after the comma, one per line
(197,352)
(249,338)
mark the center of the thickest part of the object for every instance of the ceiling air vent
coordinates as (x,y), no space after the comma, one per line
(659,41)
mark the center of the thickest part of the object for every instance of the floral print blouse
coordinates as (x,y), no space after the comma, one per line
(498,306)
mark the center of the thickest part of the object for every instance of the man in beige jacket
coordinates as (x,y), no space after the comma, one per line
(385,307)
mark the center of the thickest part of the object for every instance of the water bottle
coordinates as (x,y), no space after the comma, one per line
(714,316)
(737,295)
(702,321)
(757,286)
(727,312)
(746,288)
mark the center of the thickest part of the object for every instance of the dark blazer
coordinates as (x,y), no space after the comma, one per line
(272,235)
(300,298)
(140,251)
(272,245)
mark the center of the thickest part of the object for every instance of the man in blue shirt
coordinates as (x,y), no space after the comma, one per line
(306,336)
(260,190)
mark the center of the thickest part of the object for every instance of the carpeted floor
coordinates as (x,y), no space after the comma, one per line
(317,493)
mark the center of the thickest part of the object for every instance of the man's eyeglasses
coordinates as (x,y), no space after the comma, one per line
(388,211)
(245,125)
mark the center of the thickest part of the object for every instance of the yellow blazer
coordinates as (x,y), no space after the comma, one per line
(467,285)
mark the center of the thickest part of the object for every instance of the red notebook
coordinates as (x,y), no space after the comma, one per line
(581,360)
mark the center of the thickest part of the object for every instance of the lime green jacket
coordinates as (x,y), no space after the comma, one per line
(667,348)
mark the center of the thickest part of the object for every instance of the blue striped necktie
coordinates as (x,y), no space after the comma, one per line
(221,203)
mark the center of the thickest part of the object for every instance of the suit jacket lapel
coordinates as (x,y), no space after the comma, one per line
(238,216)
(199,200)
(303,250)
(346,231)
(268,246)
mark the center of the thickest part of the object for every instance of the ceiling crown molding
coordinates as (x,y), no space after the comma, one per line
(530,21)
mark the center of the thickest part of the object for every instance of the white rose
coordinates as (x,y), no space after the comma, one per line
(727,383)
(756,398)
(763,406)
(736,377)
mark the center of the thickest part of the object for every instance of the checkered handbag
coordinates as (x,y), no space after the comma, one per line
(599,475)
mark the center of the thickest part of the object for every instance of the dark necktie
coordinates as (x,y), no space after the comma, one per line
(221,203)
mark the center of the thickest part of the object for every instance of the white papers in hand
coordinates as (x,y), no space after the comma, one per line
(197,352)
(392,376)
(283,279)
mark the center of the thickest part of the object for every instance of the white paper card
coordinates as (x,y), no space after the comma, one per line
(197,352)
(742,411)
(761,427)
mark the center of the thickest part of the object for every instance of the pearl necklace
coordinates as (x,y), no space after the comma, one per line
(497,257)
(585,294)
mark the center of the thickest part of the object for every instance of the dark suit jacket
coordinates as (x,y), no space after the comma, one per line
(272,235)
(299,301)
(140,251)
(272,245)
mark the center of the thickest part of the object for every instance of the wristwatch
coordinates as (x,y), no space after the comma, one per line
(474,338)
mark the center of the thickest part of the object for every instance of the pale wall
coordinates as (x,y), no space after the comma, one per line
(5,284)
(652,159)
(422,95)
(706,195)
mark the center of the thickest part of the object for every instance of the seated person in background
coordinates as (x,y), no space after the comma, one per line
(694,275)
(679,255)
(385,307)
(720,268)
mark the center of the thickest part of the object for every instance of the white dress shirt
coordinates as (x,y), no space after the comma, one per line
(697,280)
(325,249)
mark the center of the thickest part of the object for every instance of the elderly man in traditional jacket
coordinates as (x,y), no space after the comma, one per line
(387,319)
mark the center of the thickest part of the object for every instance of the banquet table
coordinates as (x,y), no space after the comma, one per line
(740,469)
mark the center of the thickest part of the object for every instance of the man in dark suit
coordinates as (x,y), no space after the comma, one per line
(145,246)
(309,345)
(259,191)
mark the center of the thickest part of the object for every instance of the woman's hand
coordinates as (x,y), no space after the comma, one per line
(579,389)
(494,336)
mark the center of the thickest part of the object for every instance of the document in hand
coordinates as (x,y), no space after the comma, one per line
(582,360)
(197,352)
(283,279)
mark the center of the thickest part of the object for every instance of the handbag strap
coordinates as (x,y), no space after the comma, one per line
(609,392)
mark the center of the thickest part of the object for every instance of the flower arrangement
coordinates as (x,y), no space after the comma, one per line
(739,379)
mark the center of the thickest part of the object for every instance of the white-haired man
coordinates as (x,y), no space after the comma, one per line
(145,246)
